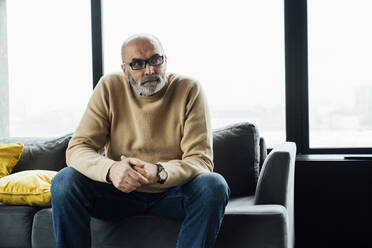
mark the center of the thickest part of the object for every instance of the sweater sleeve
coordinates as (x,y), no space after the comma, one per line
(196,142)
(90,136)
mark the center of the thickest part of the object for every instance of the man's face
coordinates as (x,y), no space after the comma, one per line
(150,79)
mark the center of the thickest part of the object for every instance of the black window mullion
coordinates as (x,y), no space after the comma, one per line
(296,73)
(97,54)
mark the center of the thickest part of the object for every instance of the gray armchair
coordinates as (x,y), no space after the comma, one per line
(265,219)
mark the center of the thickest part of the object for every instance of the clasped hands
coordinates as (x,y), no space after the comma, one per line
(130,173)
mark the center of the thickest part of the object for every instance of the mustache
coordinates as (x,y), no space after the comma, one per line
(150,78)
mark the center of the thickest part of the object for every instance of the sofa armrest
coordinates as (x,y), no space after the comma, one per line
(256,225)
(275,183)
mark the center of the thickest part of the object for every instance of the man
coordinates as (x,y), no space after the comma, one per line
(157,136)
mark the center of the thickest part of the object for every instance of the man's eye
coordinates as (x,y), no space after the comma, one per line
(137,63)
(156,60)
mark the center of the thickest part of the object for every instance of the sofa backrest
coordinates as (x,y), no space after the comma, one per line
(238,155)
(41,153)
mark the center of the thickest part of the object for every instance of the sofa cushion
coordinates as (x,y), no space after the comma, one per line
(15,225)
(41,153)
(236,152)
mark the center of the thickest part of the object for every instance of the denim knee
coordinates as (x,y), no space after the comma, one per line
(63,183)
(212,187)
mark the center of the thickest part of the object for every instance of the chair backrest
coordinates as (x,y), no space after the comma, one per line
(276,182)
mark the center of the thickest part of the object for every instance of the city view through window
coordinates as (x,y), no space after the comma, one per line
(340,79)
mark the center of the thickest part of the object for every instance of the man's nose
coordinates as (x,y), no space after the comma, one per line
(149,69)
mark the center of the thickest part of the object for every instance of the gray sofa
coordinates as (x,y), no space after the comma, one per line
(259,213)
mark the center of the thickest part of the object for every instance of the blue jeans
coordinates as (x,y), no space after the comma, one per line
(200,203)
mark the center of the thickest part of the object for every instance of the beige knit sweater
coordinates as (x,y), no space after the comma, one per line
(171,127)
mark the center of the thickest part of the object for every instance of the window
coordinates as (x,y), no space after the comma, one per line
(49,58)
(235,49)
(340,79)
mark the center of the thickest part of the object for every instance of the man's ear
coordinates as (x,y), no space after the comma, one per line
(123,68)
(165,58)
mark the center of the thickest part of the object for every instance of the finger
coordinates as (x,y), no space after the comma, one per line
(142,172)
(121,187)
(140,169)
(130,161)
(126,189)
(139,177)
(126,164)
(136,162)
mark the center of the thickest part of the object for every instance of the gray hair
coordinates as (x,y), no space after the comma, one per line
(152,38)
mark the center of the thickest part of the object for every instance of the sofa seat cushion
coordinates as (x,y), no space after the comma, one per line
(129,232)
(243,224)
(154,231)
(15,225)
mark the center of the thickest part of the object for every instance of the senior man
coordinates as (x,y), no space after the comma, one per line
(156,131)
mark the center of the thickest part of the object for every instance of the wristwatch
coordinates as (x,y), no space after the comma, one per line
(162,173)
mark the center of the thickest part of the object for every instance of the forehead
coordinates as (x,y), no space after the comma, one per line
(141,49)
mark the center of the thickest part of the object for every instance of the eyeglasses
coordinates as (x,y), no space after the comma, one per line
(139,64)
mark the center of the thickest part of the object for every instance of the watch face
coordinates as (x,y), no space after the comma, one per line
(162,175)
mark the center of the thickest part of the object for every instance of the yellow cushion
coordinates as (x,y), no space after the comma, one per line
(30,187)
(9,156)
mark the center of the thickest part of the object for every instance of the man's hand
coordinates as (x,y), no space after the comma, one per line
(126,178)
(148,170)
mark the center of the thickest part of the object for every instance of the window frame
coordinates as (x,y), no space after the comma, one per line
(97,51)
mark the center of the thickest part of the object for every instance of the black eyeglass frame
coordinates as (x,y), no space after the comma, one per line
(146,61)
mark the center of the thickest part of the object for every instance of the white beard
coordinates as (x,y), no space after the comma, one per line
(148,88)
